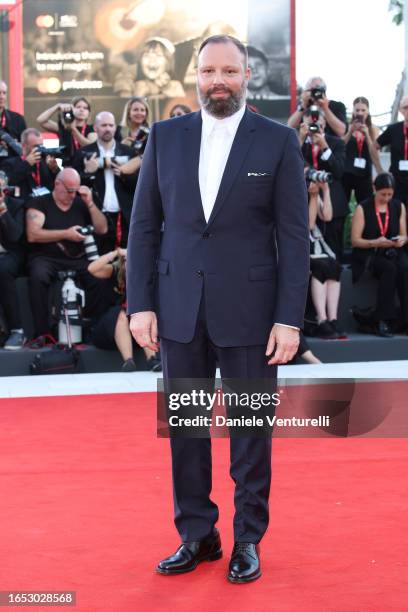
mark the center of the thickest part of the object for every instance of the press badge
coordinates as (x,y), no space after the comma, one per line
(39,191)
(360,162)
(403,165)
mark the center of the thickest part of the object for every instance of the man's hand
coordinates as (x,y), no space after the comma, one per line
(143,327)
(303,132)
(86,195)
(323,103)
(286,342)
(117,170)
(73,235)
(305,98)
(91,164)
(33,157)
(52,164)
(319,139)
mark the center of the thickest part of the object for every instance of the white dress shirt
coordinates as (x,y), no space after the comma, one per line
(217,136)
(110,201)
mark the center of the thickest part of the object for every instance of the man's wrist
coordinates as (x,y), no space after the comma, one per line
(290,326)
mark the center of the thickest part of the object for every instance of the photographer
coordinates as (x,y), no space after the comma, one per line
(134,125)
(53,224)
(72,128)
(35,171)
(12,125)
(361,152)
(110,169)
(334,112)
(396,137)
(112,328)
(378,233)
(324,152)
(11,262)
(324,268)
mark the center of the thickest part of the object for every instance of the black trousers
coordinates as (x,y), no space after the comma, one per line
(362,186)
(401,190)
(392,275)
(43,271)
(333,234)
(10,268)
(250,457)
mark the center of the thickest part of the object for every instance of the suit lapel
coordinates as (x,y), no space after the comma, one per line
(191,150)
(240,147)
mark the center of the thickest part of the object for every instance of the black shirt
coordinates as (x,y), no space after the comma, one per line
(67,140)
(13,123)
(352,152)
(393,136)
(57,219)
(339,110)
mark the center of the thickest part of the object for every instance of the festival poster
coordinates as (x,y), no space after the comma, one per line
(110,50)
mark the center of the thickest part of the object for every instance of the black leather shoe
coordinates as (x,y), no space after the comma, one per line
(384,330)
(244,565)
(190,554)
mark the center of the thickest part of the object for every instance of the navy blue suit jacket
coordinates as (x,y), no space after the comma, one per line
(252,255)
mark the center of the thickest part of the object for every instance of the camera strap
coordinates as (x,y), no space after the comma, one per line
(77,144)
(383,227)
(36,175)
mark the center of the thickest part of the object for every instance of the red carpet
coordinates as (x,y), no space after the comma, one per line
(86,506)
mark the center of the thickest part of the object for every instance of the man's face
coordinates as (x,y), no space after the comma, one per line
(153,62)
(65,189)
(105,127)
(3,94)
(31,142)
(404,108)
(259,73)
(221,79)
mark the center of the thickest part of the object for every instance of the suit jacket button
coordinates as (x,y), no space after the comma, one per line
(206,235)
(200,273)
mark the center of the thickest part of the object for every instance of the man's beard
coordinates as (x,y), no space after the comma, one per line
(219,107)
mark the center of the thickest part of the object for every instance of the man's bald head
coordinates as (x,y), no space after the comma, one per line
(3,94)
(105,126)
(67,183)
(69,176)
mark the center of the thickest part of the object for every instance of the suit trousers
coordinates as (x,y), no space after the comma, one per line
(195,513)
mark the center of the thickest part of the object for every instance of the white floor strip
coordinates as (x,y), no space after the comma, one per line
(118,382)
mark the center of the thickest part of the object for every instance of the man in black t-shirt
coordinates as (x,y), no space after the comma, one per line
(11,123)
(53,222)
(334,112)
(396,137)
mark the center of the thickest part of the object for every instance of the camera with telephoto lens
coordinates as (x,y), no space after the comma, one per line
(318,176)
(317,93)
(68,116)
(11,144)
(52,151)
(91,249)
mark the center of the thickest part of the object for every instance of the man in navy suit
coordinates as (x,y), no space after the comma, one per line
(225,283)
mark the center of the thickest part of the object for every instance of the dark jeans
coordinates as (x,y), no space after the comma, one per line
(43,271)
(250,457)
(10,269)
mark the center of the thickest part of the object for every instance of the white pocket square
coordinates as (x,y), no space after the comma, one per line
(259,174)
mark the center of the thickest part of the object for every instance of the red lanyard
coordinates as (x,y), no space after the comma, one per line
(36,175)
(3,119)
(383,227)
(405,141)
(360,138)
(77,144)
(315,156)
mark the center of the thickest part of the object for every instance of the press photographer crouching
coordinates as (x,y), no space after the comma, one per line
(54,224)
(11,261)
(378,233)
(110,168)
(112,328)
(35,170)
(72,126)
(324,268)
(324,152)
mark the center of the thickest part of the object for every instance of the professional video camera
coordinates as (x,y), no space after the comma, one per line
(53,151)
(12,144)
(91,249)
(318,176)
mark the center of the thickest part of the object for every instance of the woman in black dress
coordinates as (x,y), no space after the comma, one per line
(111,330)
(361,152)
(378,235)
